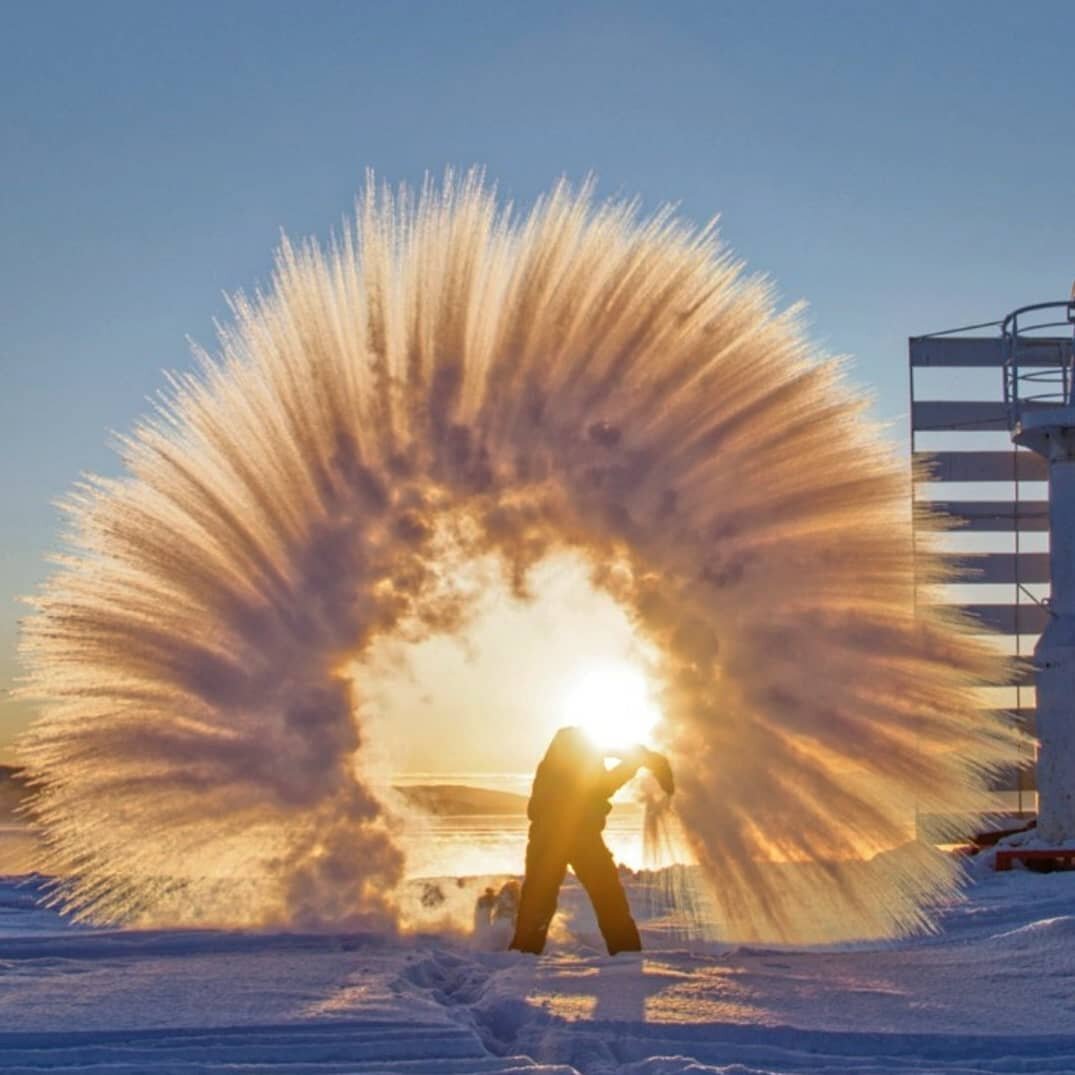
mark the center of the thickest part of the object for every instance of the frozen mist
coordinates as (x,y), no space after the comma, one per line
(454,383)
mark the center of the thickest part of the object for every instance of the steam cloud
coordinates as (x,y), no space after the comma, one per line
(453,381)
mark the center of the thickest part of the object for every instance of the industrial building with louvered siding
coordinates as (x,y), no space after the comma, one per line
(994,492)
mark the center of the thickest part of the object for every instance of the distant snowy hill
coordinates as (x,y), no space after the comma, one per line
(457,800)
(460,800)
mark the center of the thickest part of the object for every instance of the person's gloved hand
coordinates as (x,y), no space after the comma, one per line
(658,765)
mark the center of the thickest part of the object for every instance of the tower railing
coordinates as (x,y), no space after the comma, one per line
(1037,368)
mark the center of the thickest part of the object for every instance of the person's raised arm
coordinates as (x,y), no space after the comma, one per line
(614,778)
(631,760)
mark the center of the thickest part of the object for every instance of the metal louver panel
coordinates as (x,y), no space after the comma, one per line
(1002,567)
(964,415)
(984,352)
(1026,718)
(994,516)
(1025,619)
(1022,676)
(983,466)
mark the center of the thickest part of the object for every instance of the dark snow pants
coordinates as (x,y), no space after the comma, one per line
(547,860)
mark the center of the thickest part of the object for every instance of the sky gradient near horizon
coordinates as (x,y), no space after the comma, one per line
(904,168)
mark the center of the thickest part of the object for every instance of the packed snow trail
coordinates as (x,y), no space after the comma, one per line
(992,994)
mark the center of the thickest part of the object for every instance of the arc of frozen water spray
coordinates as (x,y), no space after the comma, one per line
(453,380)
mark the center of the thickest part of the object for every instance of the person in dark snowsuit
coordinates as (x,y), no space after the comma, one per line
(568,806)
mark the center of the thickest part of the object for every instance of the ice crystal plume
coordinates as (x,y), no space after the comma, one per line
(454,380)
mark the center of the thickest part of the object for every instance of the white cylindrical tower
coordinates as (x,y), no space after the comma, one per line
(1052,434)
(1042,418)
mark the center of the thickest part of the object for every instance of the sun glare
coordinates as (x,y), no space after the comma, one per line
(612,703)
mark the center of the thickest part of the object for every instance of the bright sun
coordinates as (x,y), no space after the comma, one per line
(612,703)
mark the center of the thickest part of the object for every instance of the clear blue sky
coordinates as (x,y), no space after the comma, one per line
(903,166)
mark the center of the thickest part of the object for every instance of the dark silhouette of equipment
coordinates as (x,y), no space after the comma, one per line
(568,806)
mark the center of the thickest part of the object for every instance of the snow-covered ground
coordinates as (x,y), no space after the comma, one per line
(993,992)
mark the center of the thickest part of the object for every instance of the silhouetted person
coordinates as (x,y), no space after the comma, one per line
(567,810)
